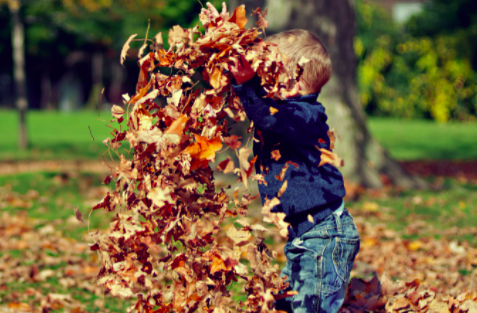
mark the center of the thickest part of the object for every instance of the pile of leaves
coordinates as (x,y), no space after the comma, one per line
(165,246)
(37,257)
(420,275)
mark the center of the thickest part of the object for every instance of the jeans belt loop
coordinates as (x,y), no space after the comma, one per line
(297,241)
(337,214)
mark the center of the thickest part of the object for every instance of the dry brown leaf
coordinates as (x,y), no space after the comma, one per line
(117,111)
(141,50)
(238,236)
(78,215)
(328,157)
(244,164)
(124,50)
(239,16)
(158,38)
(331,134)
(281,176)
(282,189)
(276,155)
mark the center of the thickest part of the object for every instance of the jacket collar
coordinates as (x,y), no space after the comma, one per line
(310,98)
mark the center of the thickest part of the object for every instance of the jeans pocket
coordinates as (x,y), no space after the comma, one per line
(344,254)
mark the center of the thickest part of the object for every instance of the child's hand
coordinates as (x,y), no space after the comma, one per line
(212,12)
(242,70)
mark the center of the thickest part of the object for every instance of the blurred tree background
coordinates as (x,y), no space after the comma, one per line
(422,68)
(72,47)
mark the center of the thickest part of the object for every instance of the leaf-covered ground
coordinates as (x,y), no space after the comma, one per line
(425,239)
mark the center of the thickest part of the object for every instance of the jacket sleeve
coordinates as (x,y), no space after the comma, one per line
(294,121)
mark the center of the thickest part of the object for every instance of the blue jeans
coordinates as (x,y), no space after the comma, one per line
(318,266)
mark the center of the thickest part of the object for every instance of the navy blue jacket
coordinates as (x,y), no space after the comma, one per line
(294,130)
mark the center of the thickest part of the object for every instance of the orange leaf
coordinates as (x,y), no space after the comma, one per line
(217,265)
(217,79)
(282,189)
(177,127)
(331,134)
(273,110)
(233,142)
(124,50)
(276,155)
(226,166)
(208,147)
(281,176)
(239,17)
(204,149)
(19,307)
(328,157)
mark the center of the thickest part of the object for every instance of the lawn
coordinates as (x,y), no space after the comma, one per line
(43,248)
(56,135)
(425,140)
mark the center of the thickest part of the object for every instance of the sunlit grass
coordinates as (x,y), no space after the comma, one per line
(425,140)
(59,135)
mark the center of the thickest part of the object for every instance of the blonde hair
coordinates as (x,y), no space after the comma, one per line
(297,43)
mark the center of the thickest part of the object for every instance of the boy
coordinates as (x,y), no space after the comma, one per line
(323,240)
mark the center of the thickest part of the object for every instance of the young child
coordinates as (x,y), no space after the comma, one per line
(323,240)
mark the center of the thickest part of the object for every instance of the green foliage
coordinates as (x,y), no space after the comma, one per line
(412,76)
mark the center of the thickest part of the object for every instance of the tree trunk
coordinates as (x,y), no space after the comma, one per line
(333,21)
(18,43)
(97,80)
(45,102)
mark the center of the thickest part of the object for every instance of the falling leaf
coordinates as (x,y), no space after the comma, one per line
(310,219)
(282,189)
(176,35)
(331,134)
(78,214)
(218,80)
(227,166)
(233,142)
(237,236)
(328,157)
(239,16)
(276,155)
(281,176)
(141,50)
(177,127)
(203,148)
(160,196)
(273,110)
(124,50)
(244,164)
(158,38)
(117,111)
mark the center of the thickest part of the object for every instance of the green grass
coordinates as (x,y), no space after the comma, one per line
(452,206)
(66,136)
(58,195)
(425,140)
(55,135)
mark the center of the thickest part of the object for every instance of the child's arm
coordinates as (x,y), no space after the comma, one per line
(293,122)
